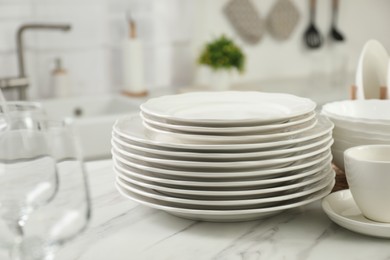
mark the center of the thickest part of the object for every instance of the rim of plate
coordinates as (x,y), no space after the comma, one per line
(173,107)
(131,127)
(157,133)
(311,188)
(323,177)
(255,154)
(223,183)
(226,130)
(298,165)
(315,196)
(223,165)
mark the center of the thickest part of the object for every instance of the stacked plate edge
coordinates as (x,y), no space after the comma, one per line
(224,156)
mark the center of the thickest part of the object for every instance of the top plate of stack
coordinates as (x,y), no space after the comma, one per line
(226,109)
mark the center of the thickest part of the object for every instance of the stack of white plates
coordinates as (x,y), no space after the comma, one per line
(224,156)
(358,122)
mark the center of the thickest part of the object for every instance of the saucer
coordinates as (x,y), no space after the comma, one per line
(342,209)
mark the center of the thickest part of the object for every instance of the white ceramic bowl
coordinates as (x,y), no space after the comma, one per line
(364,112)
(360,133)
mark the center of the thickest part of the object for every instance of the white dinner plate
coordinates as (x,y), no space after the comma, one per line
(254,192)
(229,108)
(132,147)
(164,135)
(131,128)
(257,129)
(371,71)
(240,183)
(224,204)
(225,165)
(224,215)
(341,208)
(298,165)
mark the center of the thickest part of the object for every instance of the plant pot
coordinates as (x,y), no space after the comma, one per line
(220,80)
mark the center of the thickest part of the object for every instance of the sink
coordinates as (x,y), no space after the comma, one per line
(93,118)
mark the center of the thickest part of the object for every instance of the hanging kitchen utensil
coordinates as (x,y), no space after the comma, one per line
(312,36)
(282,19)
(335,34)
(245,20)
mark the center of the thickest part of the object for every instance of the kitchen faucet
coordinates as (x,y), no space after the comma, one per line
(21,82)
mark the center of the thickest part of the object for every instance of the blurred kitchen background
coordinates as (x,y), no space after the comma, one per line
(173,33)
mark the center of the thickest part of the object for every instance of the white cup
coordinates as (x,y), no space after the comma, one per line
(367,169)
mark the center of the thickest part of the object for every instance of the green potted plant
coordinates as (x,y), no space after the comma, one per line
(222,56)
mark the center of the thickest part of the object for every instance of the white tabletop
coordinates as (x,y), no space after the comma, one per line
(122,229)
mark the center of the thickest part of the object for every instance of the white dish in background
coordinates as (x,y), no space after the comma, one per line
(341,208)
(131,128)
(164,135)
(222,204)
(365,112)
(257,129)
(229,108)
(224,215)
(371,73)
(221,183)
(228,165)
(299,165)
(234,156)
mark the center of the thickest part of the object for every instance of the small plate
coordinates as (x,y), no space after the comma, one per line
(229,108)
(341,208)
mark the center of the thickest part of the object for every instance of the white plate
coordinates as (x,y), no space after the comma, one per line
(272,128)
(224,204)
(365,112)
(179,155)
(254,192)
(241,183)
(371,71)
(223,215)
(227,108)
(227,165)
(198,175)
(131,128)
(162,135)
(341,208)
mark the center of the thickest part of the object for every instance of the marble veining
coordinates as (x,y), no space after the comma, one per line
(121,230)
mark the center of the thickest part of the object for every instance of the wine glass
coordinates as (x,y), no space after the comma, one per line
(28,173)
(68,213)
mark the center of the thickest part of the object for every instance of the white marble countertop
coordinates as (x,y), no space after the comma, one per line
(121,230)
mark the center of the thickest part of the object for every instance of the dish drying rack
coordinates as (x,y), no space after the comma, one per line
(382,92)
